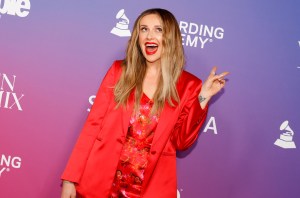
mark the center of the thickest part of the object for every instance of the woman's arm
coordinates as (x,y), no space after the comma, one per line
(91,128)
(194,111)
(190,119)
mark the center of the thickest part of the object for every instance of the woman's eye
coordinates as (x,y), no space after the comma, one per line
(159,29)
(143,29)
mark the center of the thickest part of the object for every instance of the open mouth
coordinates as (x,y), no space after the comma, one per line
(151,48)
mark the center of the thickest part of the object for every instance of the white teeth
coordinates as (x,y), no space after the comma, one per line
(151,45)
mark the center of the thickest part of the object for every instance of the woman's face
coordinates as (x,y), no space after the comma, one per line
(150,37)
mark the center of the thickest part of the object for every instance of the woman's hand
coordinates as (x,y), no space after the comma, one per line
(212,85)
(68,190)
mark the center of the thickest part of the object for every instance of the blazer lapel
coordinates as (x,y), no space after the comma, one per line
(165,119)
(127,112)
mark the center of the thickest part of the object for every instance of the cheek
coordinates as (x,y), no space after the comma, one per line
(160,39)
(140,40)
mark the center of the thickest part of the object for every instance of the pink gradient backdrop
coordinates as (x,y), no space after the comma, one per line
(61,50)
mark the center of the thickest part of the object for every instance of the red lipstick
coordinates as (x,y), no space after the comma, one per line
(151,48)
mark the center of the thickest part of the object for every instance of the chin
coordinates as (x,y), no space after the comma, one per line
(152,60)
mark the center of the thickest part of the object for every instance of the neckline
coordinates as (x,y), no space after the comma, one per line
(147,98)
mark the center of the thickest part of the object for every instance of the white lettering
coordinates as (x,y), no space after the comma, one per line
(193,33)
(219,33)
(15,162)
(15,7)
(190,42)
(183,26)
(208,31)
(195,28)
(91,101)
(203,41)
(193,42)
(5,160)
(7,100)
(183,38)
(10,84)
(1,94)
(9,161)
(17,101)
(211,124)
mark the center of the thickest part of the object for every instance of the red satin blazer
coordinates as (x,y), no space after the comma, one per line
(93,162)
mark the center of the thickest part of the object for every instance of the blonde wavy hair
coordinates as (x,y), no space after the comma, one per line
(134,65)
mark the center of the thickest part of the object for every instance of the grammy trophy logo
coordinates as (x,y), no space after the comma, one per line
(121,29)
(286,138)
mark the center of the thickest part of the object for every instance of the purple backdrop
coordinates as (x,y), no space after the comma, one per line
(54,54)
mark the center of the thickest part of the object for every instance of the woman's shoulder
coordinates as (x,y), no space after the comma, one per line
(117,64)
(188,83)
(114,71)
(116,68)
(187,77)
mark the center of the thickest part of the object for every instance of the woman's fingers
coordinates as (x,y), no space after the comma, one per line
(213,72)
(220,76)
(222,83)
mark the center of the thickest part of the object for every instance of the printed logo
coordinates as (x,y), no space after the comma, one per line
(18,8)
(286,138)
(121,29)
(195,35)
(8,98)
(7,163)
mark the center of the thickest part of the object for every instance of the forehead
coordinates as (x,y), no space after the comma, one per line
(151,19)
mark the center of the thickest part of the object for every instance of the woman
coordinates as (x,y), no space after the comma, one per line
(147,107)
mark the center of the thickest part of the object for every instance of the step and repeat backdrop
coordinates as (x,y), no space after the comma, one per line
(54,54)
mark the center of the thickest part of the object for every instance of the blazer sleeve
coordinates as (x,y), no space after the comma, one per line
(190,120)
(91,128)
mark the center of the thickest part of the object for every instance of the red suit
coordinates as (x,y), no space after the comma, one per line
(93,162)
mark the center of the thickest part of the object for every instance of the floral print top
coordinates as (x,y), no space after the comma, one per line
(134,157)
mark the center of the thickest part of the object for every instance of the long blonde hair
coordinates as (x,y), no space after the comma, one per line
(134,65)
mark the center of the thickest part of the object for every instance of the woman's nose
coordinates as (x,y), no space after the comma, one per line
(150,35)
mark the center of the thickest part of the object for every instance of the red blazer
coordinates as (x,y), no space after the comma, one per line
(93,162)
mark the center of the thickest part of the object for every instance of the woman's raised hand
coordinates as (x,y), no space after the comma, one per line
(211,86)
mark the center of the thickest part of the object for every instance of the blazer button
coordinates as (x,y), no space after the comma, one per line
(153,152)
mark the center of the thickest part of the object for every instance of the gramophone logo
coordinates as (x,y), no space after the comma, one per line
(121,29)
(286,138)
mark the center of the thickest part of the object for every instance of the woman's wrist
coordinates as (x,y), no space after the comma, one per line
(203,100)
(67,182)
(203,97)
